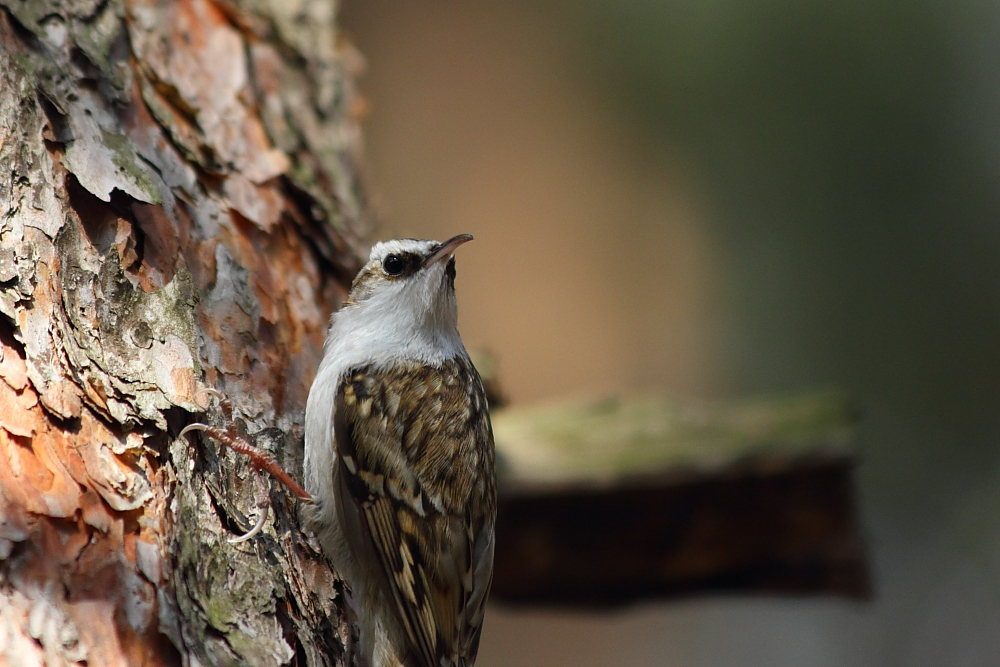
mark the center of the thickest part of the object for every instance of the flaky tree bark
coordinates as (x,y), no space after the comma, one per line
(179,208)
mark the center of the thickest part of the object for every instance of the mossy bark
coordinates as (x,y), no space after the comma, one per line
(180,208)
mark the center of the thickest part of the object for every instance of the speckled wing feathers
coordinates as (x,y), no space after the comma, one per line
(417,459)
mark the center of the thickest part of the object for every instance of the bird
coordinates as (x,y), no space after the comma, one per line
(400,464)
(399,461)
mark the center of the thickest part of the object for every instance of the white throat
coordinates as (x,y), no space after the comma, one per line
(416,320)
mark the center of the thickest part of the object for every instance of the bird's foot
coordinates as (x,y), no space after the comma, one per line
(259,459)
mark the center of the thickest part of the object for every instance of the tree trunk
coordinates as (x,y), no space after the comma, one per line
(180,208)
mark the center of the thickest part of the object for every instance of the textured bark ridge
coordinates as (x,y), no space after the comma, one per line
(180,207)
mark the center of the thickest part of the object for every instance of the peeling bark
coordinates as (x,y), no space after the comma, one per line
(180,208)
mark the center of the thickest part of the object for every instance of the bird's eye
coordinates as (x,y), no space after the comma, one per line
(393,265)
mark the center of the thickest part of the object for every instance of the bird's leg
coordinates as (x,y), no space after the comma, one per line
(259,459)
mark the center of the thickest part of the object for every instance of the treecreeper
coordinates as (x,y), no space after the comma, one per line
(399,461)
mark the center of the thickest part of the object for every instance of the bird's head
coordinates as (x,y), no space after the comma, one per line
(410,278)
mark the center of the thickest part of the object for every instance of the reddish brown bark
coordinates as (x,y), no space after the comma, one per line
(180,208)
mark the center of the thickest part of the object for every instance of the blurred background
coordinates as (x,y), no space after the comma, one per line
(720,199)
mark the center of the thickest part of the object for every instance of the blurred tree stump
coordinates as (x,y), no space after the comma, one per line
(180,207)
(643,497)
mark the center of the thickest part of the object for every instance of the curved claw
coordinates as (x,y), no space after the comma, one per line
(211,392)
(193,427)
(261,519)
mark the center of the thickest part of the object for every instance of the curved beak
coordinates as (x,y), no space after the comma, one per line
(446,249)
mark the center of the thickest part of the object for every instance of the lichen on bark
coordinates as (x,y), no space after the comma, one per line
(180,208)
